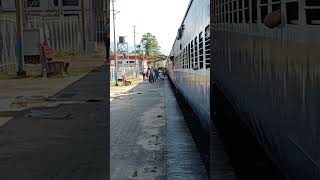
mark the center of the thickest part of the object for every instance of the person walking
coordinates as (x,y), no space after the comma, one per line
(157,73)
(150,75)
(154,75)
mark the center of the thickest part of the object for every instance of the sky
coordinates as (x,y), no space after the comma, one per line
(161,18)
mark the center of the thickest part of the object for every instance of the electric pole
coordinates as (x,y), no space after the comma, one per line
(135,49)
(115,44)
(19,19)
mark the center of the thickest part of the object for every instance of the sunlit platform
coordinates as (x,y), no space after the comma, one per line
(149,136)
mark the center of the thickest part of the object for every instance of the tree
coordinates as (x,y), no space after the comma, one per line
(138,51)
(150,44)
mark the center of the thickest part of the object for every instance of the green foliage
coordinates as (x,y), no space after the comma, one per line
(150,44)
(138,51)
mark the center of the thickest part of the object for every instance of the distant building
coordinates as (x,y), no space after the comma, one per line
(127,61)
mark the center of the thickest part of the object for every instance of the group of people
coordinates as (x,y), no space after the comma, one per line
(154,74)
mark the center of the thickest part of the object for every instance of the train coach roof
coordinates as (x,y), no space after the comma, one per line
(184,17)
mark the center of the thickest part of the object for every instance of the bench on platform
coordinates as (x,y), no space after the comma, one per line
(53,67)
(125,80)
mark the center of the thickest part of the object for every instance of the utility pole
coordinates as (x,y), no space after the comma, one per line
(134,38)
(19,19)
(135,49)
(83,25)
(115,44)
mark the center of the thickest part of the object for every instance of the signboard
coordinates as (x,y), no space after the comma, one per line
(32,39)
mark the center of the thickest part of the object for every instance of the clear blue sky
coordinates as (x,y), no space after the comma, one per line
(161,18)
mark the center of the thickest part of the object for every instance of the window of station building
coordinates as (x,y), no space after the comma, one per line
(67,2)
(33,3)
(196,51)
(0,4)
(292,9)
(201,50)
(207,46)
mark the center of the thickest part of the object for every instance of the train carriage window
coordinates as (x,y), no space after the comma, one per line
(312,3)
(186,56)
(192,54)
(246,3)
(240,17)
(292,12)
(312,9)
(195,51)
(235,17)
(182,60)
(263,2)
(189,56)
(201,50)
(264,12)
(227,17)
(246,11)
(276,6)
(223,14)
(247,16)
(207,46)
(230,12)
(254,11)
(33,3)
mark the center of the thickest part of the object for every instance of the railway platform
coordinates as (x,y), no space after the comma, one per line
(150,138)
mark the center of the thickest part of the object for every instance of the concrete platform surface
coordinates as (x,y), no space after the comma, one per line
(149,138)
(66,142)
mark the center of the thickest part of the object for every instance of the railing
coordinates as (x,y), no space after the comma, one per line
(8,56)
(61,33)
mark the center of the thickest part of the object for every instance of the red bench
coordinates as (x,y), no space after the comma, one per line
(53,67)
(125,80)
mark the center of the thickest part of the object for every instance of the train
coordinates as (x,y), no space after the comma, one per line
(189,60)
(261,57)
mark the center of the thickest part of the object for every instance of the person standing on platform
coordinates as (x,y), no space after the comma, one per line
(150,75)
